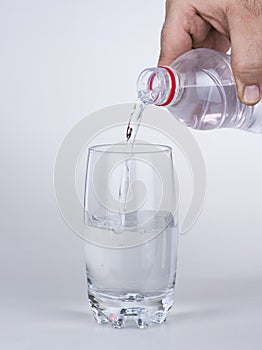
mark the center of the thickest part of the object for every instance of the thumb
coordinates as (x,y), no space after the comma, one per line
(246,42)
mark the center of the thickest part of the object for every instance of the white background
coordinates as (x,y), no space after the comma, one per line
(59,61)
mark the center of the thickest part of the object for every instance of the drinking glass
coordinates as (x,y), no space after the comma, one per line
(131,233)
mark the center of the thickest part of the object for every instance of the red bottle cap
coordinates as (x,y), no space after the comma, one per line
(173,85)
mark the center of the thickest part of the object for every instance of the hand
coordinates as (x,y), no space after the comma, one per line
(216,24)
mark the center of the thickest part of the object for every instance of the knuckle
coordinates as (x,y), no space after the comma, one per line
(249,68)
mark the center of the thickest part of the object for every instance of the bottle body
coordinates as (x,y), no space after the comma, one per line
(201,92)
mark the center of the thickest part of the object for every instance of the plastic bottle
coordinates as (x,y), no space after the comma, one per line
(199,89)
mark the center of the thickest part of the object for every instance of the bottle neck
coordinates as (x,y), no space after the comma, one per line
(159,86)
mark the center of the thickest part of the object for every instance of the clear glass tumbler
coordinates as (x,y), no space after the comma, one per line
(132,232)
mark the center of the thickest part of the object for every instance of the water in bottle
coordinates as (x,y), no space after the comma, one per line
(199,89)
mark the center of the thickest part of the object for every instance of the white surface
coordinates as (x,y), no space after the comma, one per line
(55,56)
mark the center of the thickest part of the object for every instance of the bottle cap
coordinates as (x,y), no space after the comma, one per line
(172,87)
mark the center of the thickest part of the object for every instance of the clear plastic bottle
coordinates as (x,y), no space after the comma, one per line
(199,89)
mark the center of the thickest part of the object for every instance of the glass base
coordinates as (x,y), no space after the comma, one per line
(130,308)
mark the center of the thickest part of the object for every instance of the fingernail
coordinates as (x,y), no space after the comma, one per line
(251,94)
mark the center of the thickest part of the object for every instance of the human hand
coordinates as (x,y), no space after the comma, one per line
(218,24)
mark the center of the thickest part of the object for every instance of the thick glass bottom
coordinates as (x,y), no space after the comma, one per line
(130,308)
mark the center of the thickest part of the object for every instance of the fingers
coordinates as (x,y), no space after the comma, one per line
(246,39)
(214,40)
(185,29)
(175,40)
(173,44)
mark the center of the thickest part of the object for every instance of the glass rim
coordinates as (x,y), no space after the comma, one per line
(103,148)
